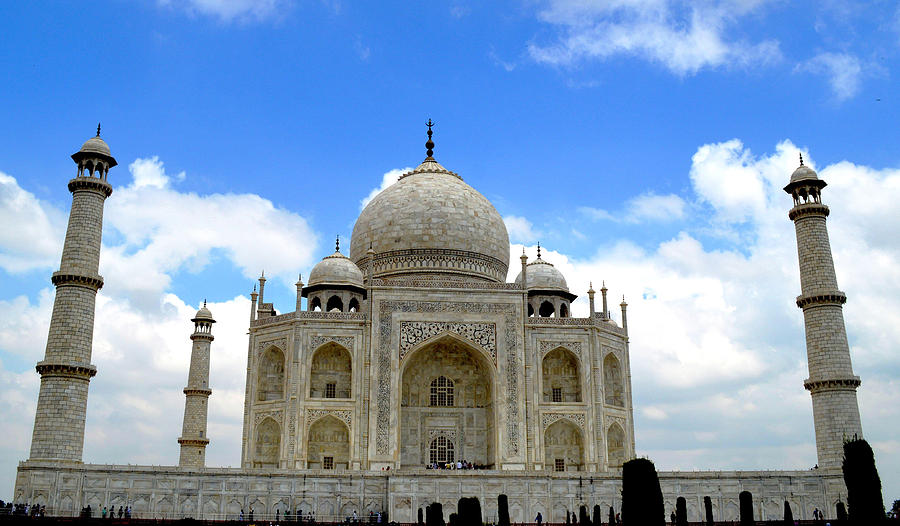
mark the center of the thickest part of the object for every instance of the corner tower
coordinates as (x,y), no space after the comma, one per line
(194,438)
(66,369)
(831,381)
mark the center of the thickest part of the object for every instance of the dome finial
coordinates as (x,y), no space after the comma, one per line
(429,145)
(539,250)
(98,129)
(337,243)
(801,158)
(204,303)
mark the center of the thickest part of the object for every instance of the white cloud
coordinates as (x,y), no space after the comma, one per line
(844,72)
(717,344)
(164,231)
(38,233)
(645,208)
(228,10)
(387,179)
(520,229)
(685,37)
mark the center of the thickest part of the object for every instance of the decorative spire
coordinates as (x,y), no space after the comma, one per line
(539,250)
(429,145)
(337,243)
(204,303)
(801,158)
(98,129)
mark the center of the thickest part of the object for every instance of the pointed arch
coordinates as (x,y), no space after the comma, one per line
(353,306)
(270,375)
(328,444)
(563,311)
(547,310)
(563,446)
(331,372)
(441,450)
(561,375)
(615,442)
(530,310)
(613,384)
(268,444)
(335,304)
(316,304)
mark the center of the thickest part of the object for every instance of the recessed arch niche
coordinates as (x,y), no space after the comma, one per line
(267,444)
(615,440)
(614,388)
(270,376)
(328,438)
(456,368)
(331,365)
(561,377)
(563,446)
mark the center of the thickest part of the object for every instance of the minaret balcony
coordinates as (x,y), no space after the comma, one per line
(808,209)
(821,298)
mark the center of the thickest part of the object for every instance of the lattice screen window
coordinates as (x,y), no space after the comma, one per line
(328,462)
(441,392)
(441,450)
(557,394)
(330,390)
(559,464)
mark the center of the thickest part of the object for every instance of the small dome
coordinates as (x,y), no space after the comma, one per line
(203,314)
(336,269)
(803,173)
(95,145)
(543,276)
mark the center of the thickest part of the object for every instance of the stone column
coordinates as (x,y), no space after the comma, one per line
(831,381)
(66,370)
(194,437)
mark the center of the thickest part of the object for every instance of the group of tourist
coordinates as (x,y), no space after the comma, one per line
(310,517)
(459,464)
(107,513)
(22,510)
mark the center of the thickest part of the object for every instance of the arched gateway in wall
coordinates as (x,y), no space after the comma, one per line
(447,406)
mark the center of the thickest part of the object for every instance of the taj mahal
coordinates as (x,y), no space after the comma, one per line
(409,354)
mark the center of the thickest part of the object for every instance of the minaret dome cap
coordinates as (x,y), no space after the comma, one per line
(203,315)
(95,147)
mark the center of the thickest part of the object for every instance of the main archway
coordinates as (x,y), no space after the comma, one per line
(447,405)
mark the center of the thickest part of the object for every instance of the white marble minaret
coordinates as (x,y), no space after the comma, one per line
(831,381)
(66,369)
(194,438)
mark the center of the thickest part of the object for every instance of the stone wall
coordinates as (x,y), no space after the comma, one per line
(168,491)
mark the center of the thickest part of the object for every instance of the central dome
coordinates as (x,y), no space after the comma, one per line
(431,225)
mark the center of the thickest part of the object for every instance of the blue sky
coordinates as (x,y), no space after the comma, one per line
(642,142)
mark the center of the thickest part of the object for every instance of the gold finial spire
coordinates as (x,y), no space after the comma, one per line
(429,145)
(539,250)
(337,243)
(801,158)
(98,129)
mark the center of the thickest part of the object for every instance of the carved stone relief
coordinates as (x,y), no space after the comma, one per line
(547,346)
(413,333)
(317,341)
(547,419)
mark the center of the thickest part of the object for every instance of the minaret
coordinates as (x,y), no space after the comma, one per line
(831,381)
(66,369)
(193,438)
(603,290)
(299,286)
(591,293)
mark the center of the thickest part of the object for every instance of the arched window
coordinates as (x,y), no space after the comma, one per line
(530,310)
(335,304)
(563,311)
(331,365)
(441,451)
(613,385)
(615,440)
(441,392)
(547,310)
(316,304)
(561,377)
(270,379)
(268,442)
(354,305)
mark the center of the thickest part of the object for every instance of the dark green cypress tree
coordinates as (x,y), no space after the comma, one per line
(707,503)
(453,519)
(612,515)
(583,518)
(598,516)
(863,483)
(434,514)
(788,514)
(680,512)
(642,500)
(475,505)
(502,510)
(421,520)
(842,513)
(568,518)
(746,500)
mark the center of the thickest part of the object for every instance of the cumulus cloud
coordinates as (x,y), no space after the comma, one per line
(717,344)
(843,70)
(520,229)
(387,179)
(163,231)
(229,10)
(685,37)
(33,243)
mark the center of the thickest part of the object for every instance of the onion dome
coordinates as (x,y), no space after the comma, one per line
(543,277)
(431,224)
(203,315)
(804,176)
(335,272)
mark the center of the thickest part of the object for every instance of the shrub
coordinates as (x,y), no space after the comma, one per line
(707,503)
(598,515)
(842,512)
(681,512)
(788,514)
(434,514)
(421,520)
(583,519)
(642,500)
(612,515)
(863,484)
